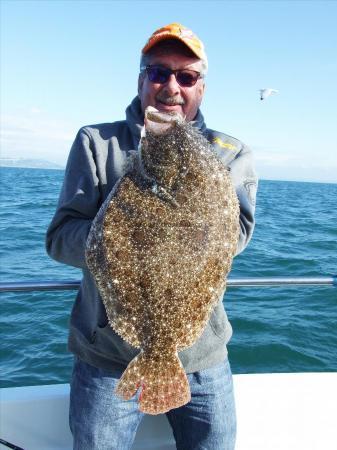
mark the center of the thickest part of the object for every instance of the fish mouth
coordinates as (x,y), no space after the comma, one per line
(159,122)
(154,115)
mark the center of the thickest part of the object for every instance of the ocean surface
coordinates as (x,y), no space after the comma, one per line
(288,329)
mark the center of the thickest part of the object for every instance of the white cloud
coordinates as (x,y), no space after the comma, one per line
(35,110)
(274,158)
(33,134)
(296,165)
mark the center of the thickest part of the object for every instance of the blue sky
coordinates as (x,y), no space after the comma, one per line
(66,64)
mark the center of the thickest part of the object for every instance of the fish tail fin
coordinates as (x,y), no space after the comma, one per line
(164,384)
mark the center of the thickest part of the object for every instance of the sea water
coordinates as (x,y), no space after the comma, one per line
(276,329)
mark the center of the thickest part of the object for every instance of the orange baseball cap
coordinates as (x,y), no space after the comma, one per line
(177,31)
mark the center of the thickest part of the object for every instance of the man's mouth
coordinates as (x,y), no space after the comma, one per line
(170,101)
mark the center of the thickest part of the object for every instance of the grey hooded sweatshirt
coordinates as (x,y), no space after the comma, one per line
(96,162)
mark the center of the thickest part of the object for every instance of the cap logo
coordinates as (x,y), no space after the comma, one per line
(186,33)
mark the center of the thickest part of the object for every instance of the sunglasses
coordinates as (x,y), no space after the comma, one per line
(161,75)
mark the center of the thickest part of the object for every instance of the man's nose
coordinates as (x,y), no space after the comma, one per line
(172,86)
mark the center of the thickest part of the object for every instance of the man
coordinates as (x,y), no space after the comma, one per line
(172,72)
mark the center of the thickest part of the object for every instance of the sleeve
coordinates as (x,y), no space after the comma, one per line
(245,181)
(78,204)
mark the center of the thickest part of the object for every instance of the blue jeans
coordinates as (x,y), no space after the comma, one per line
(99,420)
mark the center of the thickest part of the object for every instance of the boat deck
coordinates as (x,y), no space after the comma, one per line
(294,411)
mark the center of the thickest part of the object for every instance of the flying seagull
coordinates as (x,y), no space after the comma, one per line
(264,93)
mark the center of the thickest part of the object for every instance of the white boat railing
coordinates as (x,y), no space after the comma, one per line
(65,285)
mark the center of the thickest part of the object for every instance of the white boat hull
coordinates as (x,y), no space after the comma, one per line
(274,412)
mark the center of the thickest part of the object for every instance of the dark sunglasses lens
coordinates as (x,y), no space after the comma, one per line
(187,79)
(158,74)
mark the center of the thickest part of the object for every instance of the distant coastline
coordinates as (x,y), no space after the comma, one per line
(22,163)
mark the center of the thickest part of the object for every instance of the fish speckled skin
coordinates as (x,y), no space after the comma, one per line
(160,249)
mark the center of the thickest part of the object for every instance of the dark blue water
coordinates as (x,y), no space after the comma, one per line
(275,329)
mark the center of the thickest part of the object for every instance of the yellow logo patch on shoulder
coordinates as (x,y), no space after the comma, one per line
(223,144)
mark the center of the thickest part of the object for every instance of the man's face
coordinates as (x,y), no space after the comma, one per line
(170,96)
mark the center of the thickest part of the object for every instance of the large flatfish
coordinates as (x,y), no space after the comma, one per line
(160,249)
